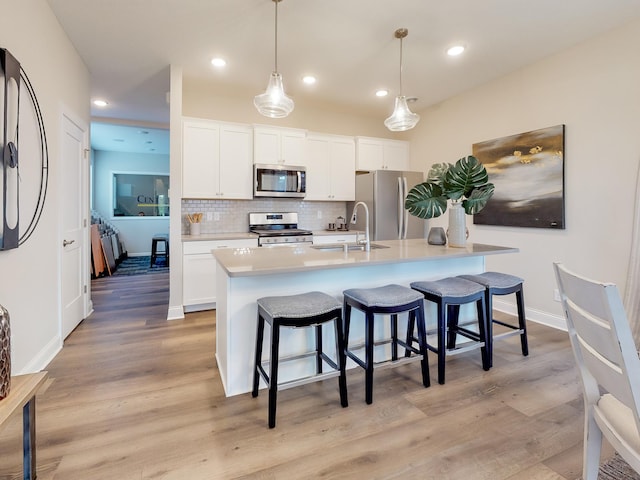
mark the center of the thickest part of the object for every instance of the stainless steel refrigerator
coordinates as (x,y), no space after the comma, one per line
(384,192)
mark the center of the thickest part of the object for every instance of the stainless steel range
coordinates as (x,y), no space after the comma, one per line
(278,229)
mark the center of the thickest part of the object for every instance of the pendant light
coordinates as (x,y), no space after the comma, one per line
(274,102)
(402,118)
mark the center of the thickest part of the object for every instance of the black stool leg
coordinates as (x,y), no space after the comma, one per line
(488,300)
(273,377)
(318,348)
(483,328)
(342,361)
(258,364)
(394,336)
(410,327)
(522,322)
(369,357)
(442,326)
(422,342)
(453,314)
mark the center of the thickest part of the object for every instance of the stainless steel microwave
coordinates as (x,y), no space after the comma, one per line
(279,181)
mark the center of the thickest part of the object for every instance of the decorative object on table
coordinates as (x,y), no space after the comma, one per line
(528,172)
(466,184)
(437,236)
(5,353)
(194,223)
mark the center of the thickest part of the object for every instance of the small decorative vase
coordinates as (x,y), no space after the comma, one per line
(457,232)
(5,353)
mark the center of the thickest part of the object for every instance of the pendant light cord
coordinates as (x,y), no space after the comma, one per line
(276,34)
(401,66)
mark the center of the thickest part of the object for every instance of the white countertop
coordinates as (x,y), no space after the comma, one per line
(240,262)
(218,236)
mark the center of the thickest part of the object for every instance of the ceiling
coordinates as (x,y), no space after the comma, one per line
(349,45)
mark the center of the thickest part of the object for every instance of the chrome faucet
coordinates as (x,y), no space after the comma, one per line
(367,243)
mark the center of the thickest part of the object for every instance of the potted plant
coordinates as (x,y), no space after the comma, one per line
(465,183)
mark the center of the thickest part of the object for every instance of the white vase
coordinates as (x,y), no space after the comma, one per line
(194,228)
(457,232)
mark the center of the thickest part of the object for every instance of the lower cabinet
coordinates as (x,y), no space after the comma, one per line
(199,271)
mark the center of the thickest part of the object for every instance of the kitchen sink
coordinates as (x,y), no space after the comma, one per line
(337,247)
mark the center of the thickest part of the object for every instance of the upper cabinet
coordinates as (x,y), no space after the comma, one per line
(279,146)
(216,160)
(331,163)
(381,154)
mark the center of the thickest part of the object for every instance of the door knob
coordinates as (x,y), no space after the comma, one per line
(65,242)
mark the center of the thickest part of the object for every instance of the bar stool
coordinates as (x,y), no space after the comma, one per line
(448,294)
(159,238)
(497,283)
(390,299)
(303,310)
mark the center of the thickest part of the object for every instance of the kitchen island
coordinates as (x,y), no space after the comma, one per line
(246,274)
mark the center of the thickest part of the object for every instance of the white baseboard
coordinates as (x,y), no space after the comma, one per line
(44,357)
(175,312)
(532,314)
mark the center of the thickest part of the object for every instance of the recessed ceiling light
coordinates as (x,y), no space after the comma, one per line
(455,50)
(309,79)
(218,62)
(412,99)
(382,93)
(100,103)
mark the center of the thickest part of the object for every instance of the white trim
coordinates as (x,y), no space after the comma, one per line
(44,357)
(533,315)
(175,312)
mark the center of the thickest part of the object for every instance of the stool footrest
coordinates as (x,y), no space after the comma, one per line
(497,336)
(310,379)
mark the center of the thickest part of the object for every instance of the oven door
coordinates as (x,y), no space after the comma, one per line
(279,181)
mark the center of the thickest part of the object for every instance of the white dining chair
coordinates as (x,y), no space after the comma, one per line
(609,366)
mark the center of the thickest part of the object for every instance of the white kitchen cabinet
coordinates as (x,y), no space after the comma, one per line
(331,168)
(199,271)
(344,237)
(279,146)
(381,154)
(216,160)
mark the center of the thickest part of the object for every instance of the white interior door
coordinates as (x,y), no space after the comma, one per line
(73,216)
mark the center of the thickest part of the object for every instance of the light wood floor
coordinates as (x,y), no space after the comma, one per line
(132,396)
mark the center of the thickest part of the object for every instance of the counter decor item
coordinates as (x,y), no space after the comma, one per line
(465,183)
(194,223)
(437,236)
(5,353)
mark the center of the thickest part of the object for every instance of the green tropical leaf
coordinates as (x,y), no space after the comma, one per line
(478,199)
(437,173)
(463,177)
(426,200)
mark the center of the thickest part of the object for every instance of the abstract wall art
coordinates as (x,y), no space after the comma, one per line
(527,170)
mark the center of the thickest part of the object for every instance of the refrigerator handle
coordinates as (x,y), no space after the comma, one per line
(400,215)
(405,212)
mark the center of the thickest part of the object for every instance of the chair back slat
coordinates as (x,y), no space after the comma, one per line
(601,338)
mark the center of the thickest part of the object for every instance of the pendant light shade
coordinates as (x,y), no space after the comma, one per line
(274,102)
(402,118)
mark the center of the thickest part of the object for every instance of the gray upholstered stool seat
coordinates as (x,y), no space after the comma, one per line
(392,300)
(448,294)
(497,283)
(302,310)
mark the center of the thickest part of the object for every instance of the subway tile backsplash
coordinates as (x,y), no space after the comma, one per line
(229,216)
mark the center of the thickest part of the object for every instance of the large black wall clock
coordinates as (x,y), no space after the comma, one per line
(24,155)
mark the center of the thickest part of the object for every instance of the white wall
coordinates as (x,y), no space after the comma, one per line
(593,89)
(31,273)
(135,232)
